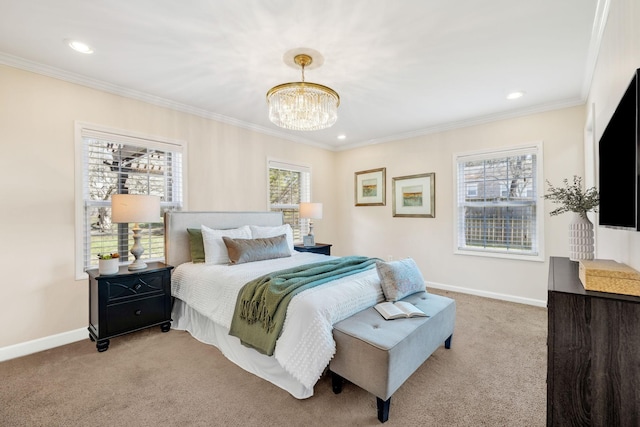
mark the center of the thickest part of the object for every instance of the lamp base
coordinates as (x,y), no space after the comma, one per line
(137,251)
(137,265)
(308,240)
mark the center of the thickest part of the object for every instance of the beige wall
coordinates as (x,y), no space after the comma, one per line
(374,231)
(618,58)
(226,171)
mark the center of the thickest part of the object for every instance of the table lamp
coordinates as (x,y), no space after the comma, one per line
(136,208)
(310,211)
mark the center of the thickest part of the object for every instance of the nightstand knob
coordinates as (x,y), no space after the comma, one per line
(138,312)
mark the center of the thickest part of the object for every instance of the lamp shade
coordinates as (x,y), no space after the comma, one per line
(135,208)
(311,210)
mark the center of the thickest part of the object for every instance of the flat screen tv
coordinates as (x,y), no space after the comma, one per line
(618,164)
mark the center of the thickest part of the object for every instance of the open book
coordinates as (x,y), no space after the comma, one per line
(398,310)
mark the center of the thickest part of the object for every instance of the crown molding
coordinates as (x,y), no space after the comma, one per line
(57,73)
(597,32)
(45,70)
(467,123)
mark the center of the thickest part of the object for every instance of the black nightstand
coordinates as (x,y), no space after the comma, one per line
(318,248)
(128,301)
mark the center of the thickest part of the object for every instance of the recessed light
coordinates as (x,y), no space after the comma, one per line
(79,46)
(515,94)
(342,136)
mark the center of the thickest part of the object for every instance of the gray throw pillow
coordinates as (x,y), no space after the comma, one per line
(399,278)
(248,250)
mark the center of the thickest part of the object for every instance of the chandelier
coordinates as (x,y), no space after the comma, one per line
(303,105)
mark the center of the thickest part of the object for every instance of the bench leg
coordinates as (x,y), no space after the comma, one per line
(383,409)
(336,382)
(447,342)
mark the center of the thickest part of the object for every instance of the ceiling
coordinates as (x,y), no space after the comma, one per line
(402,68)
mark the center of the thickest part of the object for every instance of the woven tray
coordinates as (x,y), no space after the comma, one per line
(605,275)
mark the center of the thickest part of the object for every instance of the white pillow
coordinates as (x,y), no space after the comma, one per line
(261,232)
(215,251)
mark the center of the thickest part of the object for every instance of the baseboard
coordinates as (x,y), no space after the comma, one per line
(41,344)
(486,294)
(46,343)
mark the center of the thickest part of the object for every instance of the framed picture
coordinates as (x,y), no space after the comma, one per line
(415,196)
(370,187)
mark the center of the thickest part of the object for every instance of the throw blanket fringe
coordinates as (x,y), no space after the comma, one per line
(262,303)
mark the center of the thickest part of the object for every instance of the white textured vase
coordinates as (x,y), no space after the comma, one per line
(580,238)
(108,266)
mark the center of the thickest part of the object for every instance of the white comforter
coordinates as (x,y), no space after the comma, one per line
(306,344)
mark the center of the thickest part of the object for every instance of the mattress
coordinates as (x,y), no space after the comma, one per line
(206,296)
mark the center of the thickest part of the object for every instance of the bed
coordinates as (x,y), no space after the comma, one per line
(205,296)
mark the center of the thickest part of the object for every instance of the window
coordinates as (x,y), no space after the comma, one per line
(113,162)
(289,184)
(504,191)
(472,190)
(501,216)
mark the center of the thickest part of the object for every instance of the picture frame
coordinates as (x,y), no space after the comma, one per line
(370,188)
(414,196)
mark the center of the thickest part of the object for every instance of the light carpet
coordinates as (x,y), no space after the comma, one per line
(494,375)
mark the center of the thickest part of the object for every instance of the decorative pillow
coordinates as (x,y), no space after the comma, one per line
(196,245)
(248,250)
(215,252)
(260,232)
(399,278)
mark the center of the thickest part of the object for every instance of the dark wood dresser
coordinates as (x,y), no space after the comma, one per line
(593,364)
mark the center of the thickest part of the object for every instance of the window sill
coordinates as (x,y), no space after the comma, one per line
(504,255)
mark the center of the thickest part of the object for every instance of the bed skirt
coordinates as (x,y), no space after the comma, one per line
(204,330)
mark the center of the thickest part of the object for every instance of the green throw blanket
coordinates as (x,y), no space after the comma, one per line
(262,303)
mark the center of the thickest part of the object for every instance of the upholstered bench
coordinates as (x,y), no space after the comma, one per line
(379,355)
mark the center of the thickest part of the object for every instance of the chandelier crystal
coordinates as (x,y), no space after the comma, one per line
(303,105)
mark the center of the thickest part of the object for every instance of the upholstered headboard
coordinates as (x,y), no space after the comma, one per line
(176,238)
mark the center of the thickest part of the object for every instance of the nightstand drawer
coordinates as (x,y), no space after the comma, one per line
(128,316)
(126,287)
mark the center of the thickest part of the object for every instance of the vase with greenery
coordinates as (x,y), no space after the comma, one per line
(574,198)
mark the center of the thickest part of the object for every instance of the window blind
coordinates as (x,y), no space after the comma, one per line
(115,163)
(289,184)
(497,201)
